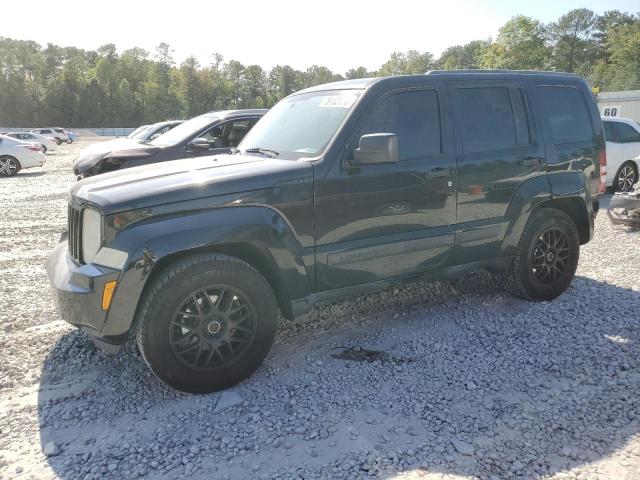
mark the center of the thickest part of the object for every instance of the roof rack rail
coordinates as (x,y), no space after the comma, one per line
(529,72)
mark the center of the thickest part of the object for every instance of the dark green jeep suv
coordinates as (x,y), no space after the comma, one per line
(338,190)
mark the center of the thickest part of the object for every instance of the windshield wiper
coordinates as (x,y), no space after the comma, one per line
(265,151)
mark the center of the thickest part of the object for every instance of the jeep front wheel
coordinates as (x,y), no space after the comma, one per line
(547,256)
(206,323)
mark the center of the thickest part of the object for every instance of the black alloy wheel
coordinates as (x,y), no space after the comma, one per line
(546,257)
(550,256)
(206,322)
(212,328)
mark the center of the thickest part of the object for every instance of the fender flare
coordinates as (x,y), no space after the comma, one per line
(563,190)
(156,242)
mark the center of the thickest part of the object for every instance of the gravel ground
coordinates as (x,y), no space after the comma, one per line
(435,380)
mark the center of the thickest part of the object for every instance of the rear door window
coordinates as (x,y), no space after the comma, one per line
(414,116)
(626,133)
(567,112)
(492,118)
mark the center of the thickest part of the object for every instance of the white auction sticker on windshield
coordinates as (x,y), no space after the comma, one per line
(337,101)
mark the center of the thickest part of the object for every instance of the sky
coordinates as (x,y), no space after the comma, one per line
(339,34)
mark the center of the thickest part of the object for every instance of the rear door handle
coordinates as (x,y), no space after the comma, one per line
(529,161)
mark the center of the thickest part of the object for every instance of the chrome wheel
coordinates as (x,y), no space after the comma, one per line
(626,178)
(550,256)
(212,328)
(8,166)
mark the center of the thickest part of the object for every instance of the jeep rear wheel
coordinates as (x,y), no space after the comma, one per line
(206,323)
(547,256)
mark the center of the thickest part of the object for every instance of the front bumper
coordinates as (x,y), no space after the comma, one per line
(77,291)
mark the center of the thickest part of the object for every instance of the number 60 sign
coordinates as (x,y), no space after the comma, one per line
(610,110)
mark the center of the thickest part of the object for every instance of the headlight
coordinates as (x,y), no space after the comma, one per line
(91,233)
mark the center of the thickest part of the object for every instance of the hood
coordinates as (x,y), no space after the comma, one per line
(186,179)
(118,147)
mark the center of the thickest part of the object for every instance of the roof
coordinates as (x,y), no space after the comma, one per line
(535,73)
(363,83)
(166,122)
(235,113)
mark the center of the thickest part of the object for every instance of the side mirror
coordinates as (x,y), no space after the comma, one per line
(198,144)
(376,148)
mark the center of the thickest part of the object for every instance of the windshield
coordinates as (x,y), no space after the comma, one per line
(138,131)
(302,125)
(184,130)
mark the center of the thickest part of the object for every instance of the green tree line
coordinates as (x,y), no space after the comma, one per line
(85,88)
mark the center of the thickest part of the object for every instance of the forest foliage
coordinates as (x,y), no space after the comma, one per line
(69,86)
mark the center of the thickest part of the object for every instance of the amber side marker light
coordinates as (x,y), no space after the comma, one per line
(107,294)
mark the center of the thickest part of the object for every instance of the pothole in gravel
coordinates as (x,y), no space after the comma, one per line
(359,354)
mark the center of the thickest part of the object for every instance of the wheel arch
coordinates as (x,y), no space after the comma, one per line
(564,191)
(258,256)
(256,235)
(576,209)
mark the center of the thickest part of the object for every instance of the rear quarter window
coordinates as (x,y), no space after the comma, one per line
(626,133)
(609,132)
(567,112)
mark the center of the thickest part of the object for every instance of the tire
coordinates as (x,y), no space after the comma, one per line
(69,141)
(538,272)
(9,166)
(176,324)
(44,149)
(626,177)
(57,140)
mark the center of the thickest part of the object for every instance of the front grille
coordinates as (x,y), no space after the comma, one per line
(75,232)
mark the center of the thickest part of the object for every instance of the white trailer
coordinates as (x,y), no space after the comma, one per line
(620,104)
